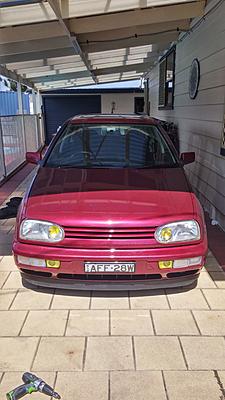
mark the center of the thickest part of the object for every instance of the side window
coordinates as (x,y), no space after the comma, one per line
(222,150)
(166,80)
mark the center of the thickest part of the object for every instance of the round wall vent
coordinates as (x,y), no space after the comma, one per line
(194,78)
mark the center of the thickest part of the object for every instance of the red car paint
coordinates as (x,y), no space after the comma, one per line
(110,215)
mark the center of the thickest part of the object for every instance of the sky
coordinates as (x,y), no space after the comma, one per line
(125,84)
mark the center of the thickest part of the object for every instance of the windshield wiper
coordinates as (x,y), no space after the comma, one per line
(75,166)
(64,166)
(158,166)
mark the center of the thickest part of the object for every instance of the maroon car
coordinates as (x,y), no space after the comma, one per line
(110,208)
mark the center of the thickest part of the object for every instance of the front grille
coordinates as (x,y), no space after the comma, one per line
(37,273)
(109,233)
(108,277)
(183,273)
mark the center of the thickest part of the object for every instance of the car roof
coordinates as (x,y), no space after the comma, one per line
(113,118)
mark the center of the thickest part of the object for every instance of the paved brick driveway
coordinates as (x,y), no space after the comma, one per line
(153,345)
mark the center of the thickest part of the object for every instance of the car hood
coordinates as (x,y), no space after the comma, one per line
(100,196)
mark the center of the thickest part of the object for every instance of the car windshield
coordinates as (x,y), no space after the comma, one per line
(111,146)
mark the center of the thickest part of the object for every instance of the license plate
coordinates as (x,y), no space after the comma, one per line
(96,268)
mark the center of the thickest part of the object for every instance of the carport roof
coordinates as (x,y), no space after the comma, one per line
(91,91)
(64,43)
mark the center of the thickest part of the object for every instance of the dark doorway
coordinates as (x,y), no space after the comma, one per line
(139,105)
(57,109)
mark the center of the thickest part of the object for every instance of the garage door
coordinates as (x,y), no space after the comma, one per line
(58,109)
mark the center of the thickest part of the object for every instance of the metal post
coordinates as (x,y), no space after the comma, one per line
(40,117)
(20,99)
(20,112)
(34,99)
(2,154)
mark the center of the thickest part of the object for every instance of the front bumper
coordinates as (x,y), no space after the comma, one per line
(110,285)
(71,274)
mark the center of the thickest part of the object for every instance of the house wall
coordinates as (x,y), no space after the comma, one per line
(200,121)
(124,102)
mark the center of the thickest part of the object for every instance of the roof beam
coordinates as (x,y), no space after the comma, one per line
(124,68)
(57,77)
(125,43)
(45,68)
(137,17)
(142,67)
(35,13)
(12,75)
(53,29)
(135,31)
(30,46)
(57,7)
(36,55)
(33,31)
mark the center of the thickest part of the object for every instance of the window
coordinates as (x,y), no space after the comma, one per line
(111,146)
(222,150)
(166,80)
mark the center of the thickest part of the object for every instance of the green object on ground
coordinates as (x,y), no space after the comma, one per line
(31,384)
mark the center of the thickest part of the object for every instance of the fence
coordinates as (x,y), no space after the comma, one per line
(18,134)
(9,103)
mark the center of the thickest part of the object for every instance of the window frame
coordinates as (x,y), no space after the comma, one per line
(163,87)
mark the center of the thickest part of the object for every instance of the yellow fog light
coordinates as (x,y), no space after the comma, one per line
(166,234)
(53,231)
(52,264)
(165,264)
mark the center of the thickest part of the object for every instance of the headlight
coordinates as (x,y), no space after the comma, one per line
(182,231)
(42,231)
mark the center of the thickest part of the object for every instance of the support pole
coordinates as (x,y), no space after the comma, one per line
(20,112)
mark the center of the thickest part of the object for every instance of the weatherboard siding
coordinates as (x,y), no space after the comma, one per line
(200,121)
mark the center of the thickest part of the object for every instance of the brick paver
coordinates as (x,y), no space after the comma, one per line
(181,299)
(149,299)
(66,299)
(3,277)
(144,385)
(218,278)
(221,381)
(174,322)
(16,354)
(131,322)
(7,263)
(11,322)
(88,323)
(13,281)
(113,300)
(109,353)
(204,353)
(205,281)
(211,323)
(158,345)
(83,385)
(158,353)
(45,323)
(192,385)
(6,298)
(59,354)
(215,298)
(32,299)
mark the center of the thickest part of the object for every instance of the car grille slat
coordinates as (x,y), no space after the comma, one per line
(109,277)
(110,233)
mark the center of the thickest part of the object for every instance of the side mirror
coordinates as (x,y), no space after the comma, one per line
(187,158)
(33,157)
